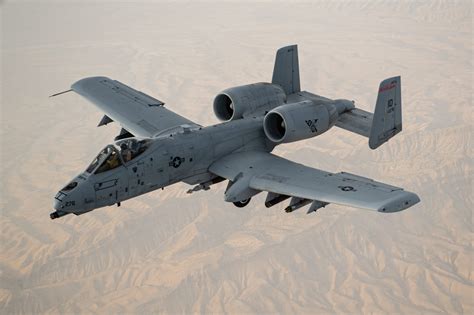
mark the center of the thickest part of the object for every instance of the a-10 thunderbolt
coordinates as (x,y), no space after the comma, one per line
(157,147)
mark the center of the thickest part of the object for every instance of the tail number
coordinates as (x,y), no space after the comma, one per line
(390,106)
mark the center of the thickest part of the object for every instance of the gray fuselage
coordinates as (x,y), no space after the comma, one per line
(184,154)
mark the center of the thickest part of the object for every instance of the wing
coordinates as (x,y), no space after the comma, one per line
(266,172)
(136,112)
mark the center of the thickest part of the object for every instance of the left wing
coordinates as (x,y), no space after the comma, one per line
(261,171)
(137,113)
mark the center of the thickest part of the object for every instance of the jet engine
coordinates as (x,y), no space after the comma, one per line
(302,120)
(241,101)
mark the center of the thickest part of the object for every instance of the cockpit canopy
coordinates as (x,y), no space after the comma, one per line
(131,148)
(115,155)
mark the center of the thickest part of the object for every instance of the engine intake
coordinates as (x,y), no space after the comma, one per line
(297,121)
(253,99)
(223,107)
(275,126)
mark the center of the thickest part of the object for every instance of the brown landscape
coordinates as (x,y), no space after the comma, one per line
(169,252)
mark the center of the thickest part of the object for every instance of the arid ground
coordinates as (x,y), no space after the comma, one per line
(170,252)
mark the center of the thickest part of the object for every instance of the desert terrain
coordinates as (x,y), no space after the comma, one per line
(169,252)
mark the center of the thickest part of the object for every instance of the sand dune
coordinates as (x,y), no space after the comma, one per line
(169,252)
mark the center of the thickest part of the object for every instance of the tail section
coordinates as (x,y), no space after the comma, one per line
(387,119)
(379,127)
(384,123)
(286,72)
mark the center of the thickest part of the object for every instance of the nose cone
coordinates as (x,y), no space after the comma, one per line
(57,204)
(73,197)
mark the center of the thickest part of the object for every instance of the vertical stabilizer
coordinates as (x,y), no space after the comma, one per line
(387,120)
(286,72)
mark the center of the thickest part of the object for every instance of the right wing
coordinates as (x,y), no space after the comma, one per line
(263,171)
(136,112)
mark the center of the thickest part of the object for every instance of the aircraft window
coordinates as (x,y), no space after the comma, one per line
(60,196)
(99,159)
(112,161)
(69,186)
(108,159)
(131,148)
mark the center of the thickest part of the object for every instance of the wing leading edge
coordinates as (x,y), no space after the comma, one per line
(266,172)
(136,112)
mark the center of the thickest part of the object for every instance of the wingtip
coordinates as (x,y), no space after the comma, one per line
(402,202)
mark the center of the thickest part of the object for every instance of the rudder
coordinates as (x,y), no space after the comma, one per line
(286,72)
(387,120)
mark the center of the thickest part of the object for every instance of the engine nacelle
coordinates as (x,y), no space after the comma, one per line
(297,121)
(241,101)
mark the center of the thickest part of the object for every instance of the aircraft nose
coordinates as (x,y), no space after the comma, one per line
(77,197)
(57,204)
(65,200)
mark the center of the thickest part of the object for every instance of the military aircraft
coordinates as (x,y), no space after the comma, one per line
(157,147)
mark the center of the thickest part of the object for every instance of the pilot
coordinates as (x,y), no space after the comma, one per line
(113,161)
(126,152)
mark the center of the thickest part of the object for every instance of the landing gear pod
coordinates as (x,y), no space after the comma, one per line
(242,203)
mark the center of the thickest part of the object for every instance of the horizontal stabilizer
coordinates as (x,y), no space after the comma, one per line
(384,123)
(356,120)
